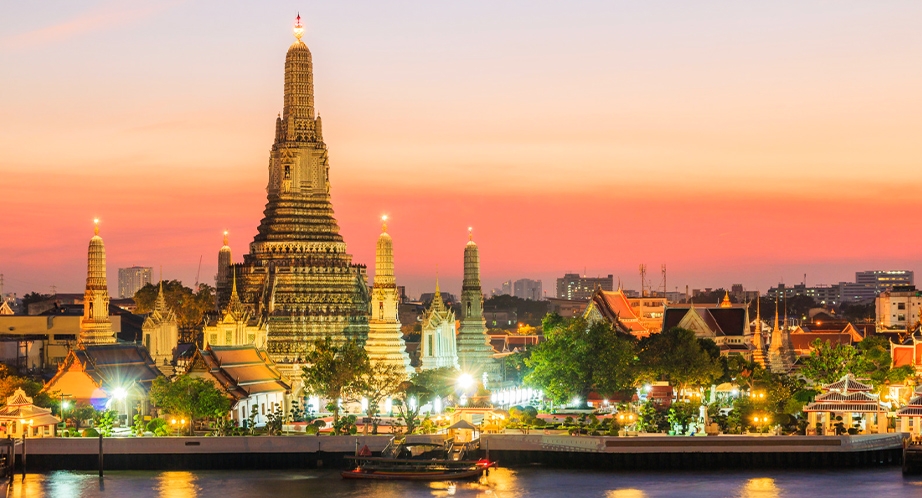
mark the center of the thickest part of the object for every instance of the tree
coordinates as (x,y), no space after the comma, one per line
(409,401)
(380,381)
(439,382)
(33,389)
(190,397)
(875,362)
(190,305)
(578,357)
(828,363)
(335,372)
(677,356)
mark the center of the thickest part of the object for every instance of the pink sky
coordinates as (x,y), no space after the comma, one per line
(733,143)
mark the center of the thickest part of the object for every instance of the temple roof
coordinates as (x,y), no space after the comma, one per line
(111,365)
(240,370)
(721,321)
(847,384)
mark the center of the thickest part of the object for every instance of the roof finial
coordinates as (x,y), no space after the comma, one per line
(299,29)
(726,302)
(383,223)
(96,226)
(470,233)
(225,237)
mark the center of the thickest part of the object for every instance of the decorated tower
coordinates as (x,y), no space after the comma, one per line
(95,327)
(778,356)
(475,354)
(385,340)
(298,275)
(758,344)
(222,279)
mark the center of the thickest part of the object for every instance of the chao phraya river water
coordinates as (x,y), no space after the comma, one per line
(502,483)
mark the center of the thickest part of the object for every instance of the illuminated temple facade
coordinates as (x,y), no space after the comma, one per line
(298,274)
(385,340)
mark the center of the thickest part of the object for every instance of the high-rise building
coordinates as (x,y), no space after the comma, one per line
(884,279)
(385,340)
(899,308)
(298,273)
(574,287)
(130,280)
(527,289)
(96,328)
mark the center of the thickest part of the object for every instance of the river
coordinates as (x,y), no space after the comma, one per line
(502,483)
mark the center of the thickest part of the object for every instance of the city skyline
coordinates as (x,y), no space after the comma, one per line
(162,128)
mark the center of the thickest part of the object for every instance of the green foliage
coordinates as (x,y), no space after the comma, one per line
(522,418)
(90,432)
(379,382)
(33,389)
(515,366)
(138,428)
(437,381)
(652,418)
(409,401)
(828,363)
(190,397)
(578,357)
(81,413)
(296,413)
(188,304)
(680,415)
(335,372)
(104,421)
(529,312)
(345,425)
(274,421)
(677,356)
(158,427)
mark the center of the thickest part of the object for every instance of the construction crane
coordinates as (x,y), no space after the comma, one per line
(197,273)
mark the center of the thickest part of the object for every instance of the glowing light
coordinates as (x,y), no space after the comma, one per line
(465,381)
(299,29)
(119,393)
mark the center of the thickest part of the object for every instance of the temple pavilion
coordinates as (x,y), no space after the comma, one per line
(911,415)
(20,416)
(851,400)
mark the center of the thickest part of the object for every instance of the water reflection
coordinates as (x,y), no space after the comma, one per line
(625,493)
(760,487)
(177,485)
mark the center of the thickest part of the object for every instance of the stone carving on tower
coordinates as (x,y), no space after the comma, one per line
(385,340)
(160,333)
(438,335)
(298,275)
(95,327)
(475,354)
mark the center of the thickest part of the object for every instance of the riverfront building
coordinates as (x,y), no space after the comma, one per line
(846,398)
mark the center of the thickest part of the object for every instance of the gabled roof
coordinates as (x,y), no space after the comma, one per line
(848,384)
(239,370)
(721,321)
(111,365)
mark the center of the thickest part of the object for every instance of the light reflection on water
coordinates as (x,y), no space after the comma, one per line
(501,483)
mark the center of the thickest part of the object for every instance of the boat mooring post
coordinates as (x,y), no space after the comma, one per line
(23,455)
(100,456)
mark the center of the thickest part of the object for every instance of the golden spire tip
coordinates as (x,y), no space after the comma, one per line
(225,237)
(96,226)
(384,223)
(299,29)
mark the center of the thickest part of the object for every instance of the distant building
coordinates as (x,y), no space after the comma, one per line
(567,308)
(507,288)
(866,287)
(898,308)
(574,287)
(885,279)
(726,324)
(638,316)
(527,289)
(130,280)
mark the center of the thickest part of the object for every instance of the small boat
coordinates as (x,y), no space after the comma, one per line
(419,460)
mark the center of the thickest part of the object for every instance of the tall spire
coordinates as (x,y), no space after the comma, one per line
(385,343)
(726,302)
(95,327)
(384,258)
(758,344)
(475,354)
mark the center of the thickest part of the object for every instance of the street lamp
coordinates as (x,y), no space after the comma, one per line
(760,421)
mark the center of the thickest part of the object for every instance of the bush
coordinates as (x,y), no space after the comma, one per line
(158,427)
(91,432)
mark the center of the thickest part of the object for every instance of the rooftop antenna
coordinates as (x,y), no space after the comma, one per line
(197,273)
(643,273)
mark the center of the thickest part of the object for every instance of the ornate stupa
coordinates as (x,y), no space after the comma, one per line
(385,340)
(298,274)
(95,327)
(780,354)
(437,341)
(475,354)
(758,343)
(160,333)
(223,278)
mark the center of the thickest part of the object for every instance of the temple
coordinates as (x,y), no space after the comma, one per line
(96,328)
(160,333)
(438,335)
(385,340)
(475,354)
(298,275)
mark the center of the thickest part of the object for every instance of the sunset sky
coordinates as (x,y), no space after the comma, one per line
(734,142)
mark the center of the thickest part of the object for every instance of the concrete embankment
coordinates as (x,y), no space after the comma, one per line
(187,453)
(510,450)
(677,453)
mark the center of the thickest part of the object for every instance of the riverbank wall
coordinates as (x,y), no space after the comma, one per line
(687,453)
(509,450)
